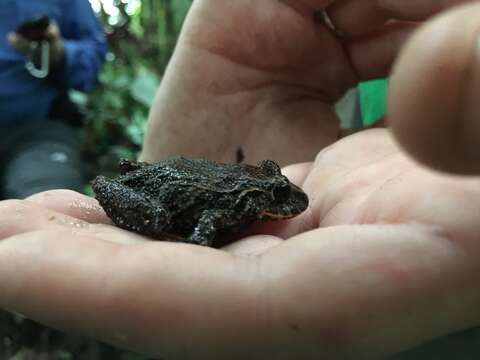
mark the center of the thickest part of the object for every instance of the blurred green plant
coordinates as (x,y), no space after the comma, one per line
(141,37)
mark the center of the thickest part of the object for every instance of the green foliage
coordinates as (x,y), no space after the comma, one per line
(141,42)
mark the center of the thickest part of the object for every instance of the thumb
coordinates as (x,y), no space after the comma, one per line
(433,106)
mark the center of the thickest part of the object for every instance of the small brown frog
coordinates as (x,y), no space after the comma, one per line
(196,201)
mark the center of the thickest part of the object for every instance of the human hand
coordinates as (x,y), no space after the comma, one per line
(385,258)
(269,72)
(52,35)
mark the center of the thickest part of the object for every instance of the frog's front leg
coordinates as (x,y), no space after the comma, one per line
(130,210)
(209,224)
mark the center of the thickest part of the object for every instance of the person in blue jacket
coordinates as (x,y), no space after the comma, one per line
(39,149)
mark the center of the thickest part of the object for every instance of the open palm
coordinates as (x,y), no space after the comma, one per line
(385,258)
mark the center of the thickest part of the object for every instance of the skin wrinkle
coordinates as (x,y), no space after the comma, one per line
(309,92)
(445,231)
(233,144)
(329,204)
(270,68)
(237,58)
(372,195)
(230,61)
(367,198)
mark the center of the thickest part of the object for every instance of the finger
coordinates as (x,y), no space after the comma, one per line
(20,217)
(72,204)
(434,89)
(157,298)
(372,56)
(19,43)
(356,18)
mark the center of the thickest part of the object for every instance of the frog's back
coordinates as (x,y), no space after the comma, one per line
(178,178)
(153,176)
(206,173)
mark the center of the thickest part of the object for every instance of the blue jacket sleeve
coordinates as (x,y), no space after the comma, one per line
(85,46)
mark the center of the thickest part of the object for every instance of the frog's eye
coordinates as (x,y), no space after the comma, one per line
(281,192)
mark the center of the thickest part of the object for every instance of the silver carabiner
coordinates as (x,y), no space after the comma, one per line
(43,70)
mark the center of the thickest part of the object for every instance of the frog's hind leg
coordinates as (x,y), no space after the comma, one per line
(129,210)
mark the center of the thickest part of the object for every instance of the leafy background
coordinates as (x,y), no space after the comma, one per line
(141,36)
